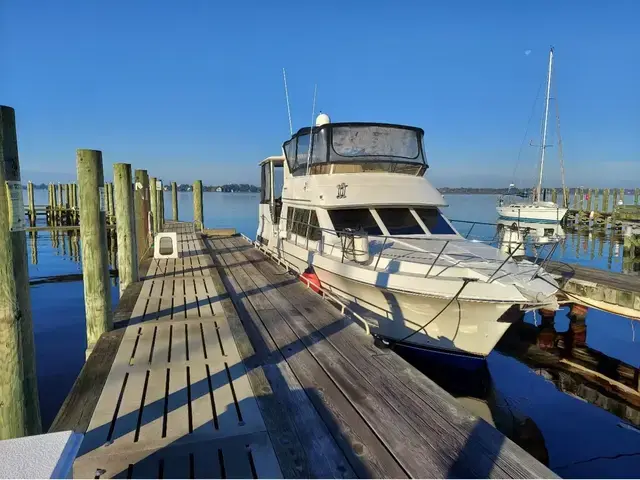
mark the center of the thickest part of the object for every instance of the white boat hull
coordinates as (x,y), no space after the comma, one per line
(535,213)
(468,327)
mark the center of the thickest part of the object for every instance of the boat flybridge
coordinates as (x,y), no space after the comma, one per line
(357,215)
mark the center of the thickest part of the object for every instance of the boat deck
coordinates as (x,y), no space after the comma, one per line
(224,365)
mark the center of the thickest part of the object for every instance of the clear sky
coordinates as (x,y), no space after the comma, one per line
(193,89)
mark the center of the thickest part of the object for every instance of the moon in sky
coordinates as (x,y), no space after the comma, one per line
(527,52)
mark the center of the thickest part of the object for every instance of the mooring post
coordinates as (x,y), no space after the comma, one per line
(198,215)
(125,226)
(615,199)
(32,204)
(50,208)
(589,200)
(605,200)
(160,205)
(554,195)
(622,195)
(19,405)
(93,238)
(107,198)
(596,200)
(60,202)
(140,215)
(636,195)
(147,208)
(153,199)
(174,200)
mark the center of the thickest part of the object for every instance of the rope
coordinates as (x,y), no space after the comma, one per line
(465,281)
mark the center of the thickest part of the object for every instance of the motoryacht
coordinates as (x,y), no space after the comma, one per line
(357,213)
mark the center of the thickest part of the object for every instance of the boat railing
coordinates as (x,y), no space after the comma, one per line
(356,244)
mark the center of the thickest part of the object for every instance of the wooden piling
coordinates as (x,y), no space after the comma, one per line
(198,214)
(107,199)
(622,195)
(140,214)
(554,195)
(50,209)
(174,200)
(615,198)
(636,196)
(93,238)
(153,199)
(160,205)
(596,200)
(605,200)
(589,200)
(125,225)
(147,208)
(32,204)
(580,199)
(19,404)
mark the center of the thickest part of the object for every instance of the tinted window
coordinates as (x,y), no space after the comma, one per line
(314,230)
(359,218)
(434,221)
(300,221)
(289,218)
(399,221)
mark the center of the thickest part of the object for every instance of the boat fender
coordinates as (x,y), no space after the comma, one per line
(312,280)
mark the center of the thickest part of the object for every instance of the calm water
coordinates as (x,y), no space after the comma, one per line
(578,438)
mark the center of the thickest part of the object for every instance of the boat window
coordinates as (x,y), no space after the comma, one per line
(300,221)
(434,221)
(315,233)
(376,141)
(399,221)
(265,191)
(356,218)
(289,218)
(302,155)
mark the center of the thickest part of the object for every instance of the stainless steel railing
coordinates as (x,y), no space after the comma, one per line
(299,233)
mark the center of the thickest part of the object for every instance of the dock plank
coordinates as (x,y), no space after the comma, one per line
(226,366)
(485,454)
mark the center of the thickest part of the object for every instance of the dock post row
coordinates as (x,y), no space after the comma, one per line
(100,204)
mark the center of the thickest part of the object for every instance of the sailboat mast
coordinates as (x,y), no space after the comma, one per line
(544,128)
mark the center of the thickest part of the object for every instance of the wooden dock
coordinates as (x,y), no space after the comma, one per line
(611,291)
(224,365)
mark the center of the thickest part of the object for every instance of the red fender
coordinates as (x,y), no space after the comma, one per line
(312,279)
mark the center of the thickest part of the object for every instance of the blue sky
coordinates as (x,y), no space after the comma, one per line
(194,89)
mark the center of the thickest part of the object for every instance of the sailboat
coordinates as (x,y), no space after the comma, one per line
(358,218)
(538,210)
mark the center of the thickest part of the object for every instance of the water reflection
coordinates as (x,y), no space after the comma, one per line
(564,358)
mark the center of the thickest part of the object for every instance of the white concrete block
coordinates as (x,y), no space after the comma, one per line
(40,456)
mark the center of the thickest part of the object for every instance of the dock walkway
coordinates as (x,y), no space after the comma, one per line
(226,366)
(611,291)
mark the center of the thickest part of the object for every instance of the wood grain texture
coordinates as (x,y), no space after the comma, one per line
(455,441)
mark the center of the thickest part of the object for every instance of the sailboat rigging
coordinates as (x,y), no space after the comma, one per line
(538,209)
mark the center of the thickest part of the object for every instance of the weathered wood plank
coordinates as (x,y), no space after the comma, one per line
(431,407)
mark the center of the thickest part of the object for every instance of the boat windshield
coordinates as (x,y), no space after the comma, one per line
(356,147)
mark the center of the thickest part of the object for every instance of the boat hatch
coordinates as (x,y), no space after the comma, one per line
(356,148)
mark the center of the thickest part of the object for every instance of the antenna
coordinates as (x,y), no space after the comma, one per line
(286,94)
(313,114)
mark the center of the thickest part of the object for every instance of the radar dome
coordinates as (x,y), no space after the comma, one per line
(322,119)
